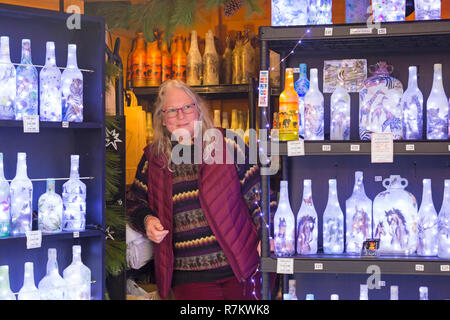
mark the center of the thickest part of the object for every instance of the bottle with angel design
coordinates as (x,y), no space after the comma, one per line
(444,224)
(5,202)
(314,112)
(333,222)
(7,82)
(340,113)
(72,88)
(50,210)
(50,87)
(358,212)
(307,220)
(74,199)
(301,86)
(427,226)
(26,84)
(284,224)
(412,106)
(437,108)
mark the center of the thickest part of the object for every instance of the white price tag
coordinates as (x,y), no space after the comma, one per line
(328,32)
(410,147)
(382,31)
(31,123)
(355,147)
(361,31)
(445,268)
(34,239)
(76,234)
(381,283)
(65,124)
(378,178)
(318,266)
(382,148)
(285,265)
(449,147)
(296,148)
(420,267)
(326,147)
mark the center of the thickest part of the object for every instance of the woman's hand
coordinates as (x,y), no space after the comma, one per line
(154,229)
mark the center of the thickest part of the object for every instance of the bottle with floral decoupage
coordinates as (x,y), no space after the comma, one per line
(26,84)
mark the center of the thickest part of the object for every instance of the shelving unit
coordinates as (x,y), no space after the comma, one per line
(402,44)
(48,152)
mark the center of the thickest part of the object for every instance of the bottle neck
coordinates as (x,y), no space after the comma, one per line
(359,184)
(74,168)
(307,192)
(302,70)
(314,81)
(2,172)
(289,78)
(332,191)
(426,192)
(437,79)
(4,50)
(412,80)
(72,57)
(140,43)
(194,43)
(21,170)
(52,266)
(50,186)
(76,258)
(28,278)
(209,42)
(50,60)
(284,195)
(26,52)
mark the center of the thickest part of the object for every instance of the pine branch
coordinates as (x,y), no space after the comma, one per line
(115,252)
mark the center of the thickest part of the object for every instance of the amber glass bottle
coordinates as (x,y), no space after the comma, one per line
(166,62)
(288,109)
(153,64)
(130,63)
(138,58)
(237,60)
(179,61)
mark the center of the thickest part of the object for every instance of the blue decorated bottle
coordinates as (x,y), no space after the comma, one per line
(72,88)
(27,84)
(412,106)
(301,86)
(50,108)
(7,82)
(74,199)
(333,222)
(5,202)
(284,224)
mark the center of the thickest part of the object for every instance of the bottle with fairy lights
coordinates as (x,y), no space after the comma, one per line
(5,202)
(340,113)
(77,277)
(74,199)
(26,84)
(444,224)
(288,109)
(428,223)
(50,87)
(412,108)
(72,88)
(333,222)
(284,224)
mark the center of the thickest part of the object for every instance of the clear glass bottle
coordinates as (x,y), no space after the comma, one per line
(29,291)
(5,202)
(412,106)
(26,84)
(428,223)
(444,224)
(288,109)
(50,87)
(363,292)
(333,222)
(72,88)
(427,9)
(284,224)
(319,12)
(301,86)
(194,64)
(314,112)
(50,210)
(226,65)
(210,61)
(7,82)
(21,198)
(307,221)
(52,286)
(74,199)
(437,108)
(358,212)
(77,277)
(394,293)
(340,113)
(423,293)
(5,289)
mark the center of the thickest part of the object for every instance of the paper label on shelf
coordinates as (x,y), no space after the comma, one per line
(34,239)
(355,147)
(410,147)
(31,123)
(263,99)
(318,266)
(328,32)
(76,234)
(378,178)
(285,265)
(65,124)
(382,31)
(296,148)
(326,147)
(420,267)
(445,267)
(382,148)
(360,30)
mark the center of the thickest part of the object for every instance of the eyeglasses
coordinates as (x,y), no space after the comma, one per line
(173,112)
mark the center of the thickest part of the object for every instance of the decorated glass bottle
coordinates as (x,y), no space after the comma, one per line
(288,109)
(428,223)
(307,221)
(138,62)
(74,199)
(289,13)
(29,291)
(26,84)
(52,286)
(427,9)
(319,12)
(437,108)
(356,11)
(210,61)
(153,64)
(5,289)
(50,210)
(444,223)
(21,198)
(301,86)
(194,63)
(5,202)
(166,62)
(7,82)
(236,58)
(340,113)
(412,106)
(179,61)
(77,277)
(72,88)
(333,222)
(314,111)
(388,10)
(284,224)
(226,71)
(358,213)
(50,106)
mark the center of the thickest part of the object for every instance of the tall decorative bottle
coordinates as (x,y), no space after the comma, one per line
(444,224)
(74,199)
(166,62)
(314,111)
(5,289)
(301,86)
(179,61)
(72,88)
(194,62)
(226,71)
(319,12)
(236,60)
(307,222)
(284,224)
(288,109)
(358,212)
(340,114)
(5,202)
(210,61)
(77,277)
(7,82)
(29,290)
(427,9)
(138,62)
(427,226)
(153,64)
(26,84)
(333,222)
(437,108)
(50,87)
(50,210)
(412,106)
(21,198)
(52,286)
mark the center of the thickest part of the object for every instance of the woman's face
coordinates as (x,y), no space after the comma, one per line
(179,111)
